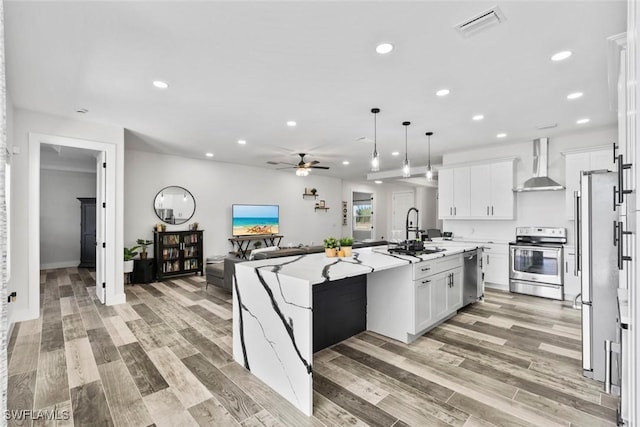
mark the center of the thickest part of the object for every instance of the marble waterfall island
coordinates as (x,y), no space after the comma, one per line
(273,311)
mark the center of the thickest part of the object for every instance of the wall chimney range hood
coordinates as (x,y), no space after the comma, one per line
(540,180)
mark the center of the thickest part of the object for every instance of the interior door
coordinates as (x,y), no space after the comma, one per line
(402,201)
(101,226)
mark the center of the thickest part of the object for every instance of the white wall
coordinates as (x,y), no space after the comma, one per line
(541,208)
(25,122)
(60,215)
(216,186)
(426,202)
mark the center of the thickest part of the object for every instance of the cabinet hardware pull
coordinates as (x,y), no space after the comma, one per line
(455,211)
(615,233)
(491,210)
(487,259)
(566,266)
(426,281)
(620,188)
(487,210)
(451,211)
(425,269)
(621,256)
(615,147)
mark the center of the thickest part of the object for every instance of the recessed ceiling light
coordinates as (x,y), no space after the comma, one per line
(583,121)
(378,182)
(346,162)
(395,153)
(384,48)
(160,84)
(209,154)
(478,117)
(443,92)
(501,135)
(291,123)
(242,142)
(574,95)
(561,55)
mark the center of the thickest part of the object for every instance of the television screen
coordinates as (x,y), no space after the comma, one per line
(250,220)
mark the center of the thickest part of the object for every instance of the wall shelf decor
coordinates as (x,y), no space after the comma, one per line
(305,195)
(321,208)
(178,252)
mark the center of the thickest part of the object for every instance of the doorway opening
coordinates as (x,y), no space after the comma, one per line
(96,156)
(363,225)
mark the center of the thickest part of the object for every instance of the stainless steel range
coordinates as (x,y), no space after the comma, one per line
(535,261)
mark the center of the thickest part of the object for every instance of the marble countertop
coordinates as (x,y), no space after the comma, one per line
(318,268)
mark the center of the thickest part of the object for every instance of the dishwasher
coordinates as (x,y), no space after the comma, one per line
(472,278)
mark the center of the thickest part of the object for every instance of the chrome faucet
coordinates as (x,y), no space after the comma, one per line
(409,225)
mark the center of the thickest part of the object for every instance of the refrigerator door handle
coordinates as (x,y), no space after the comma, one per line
(577,220)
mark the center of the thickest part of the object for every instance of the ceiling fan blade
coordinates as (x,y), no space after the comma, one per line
(318,167)
(311,163)
(288,167)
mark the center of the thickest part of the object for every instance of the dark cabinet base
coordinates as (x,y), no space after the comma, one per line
(339,310)
(143,270)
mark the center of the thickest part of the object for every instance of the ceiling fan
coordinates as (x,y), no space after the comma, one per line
(302,168)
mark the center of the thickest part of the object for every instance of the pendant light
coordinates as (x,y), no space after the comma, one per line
(429,173)
(406,169)
(375,157)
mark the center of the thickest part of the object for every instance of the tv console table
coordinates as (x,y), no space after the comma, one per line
(241,243)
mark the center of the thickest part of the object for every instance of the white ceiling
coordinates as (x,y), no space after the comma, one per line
(240,70)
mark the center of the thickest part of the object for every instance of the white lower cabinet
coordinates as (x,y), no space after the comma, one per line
(454,290)
(424,295)
(496,264)
(403,303)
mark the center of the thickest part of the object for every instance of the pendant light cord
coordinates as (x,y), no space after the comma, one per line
(375,133)
(406,126)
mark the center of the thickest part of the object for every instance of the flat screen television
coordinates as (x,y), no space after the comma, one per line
(249,220)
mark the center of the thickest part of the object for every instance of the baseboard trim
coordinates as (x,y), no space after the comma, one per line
(61,264)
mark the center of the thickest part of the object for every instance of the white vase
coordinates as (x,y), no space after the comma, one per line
(128,266)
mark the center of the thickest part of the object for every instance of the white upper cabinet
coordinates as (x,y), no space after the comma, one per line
(453,193)
(445,193)
(577,162)
(482,191)
(492,190)
(480,185)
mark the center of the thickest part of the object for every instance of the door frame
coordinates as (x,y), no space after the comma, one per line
(112,266)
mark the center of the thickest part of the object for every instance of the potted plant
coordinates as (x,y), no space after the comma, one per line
(314,191)
(346,245)
(257,245)
(129,253)
(143,244)
(331,246)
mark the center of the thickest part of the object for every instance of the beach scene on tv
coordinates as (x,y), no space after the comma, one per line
(255,219)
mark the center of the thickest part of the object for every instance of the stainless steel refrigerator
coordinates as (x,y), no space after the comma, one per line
(596,258)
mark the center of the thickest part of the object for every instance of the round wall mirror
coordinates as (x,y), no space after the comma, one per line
(174,205)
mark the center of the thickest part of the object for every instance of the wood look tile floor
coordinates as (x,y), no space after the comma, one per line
(164,359)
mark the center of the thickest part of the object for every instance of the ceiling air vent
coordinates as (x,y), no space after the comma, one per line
(481,22)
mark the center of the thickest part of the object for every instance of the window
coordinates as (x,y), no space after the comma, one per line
(362,218)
